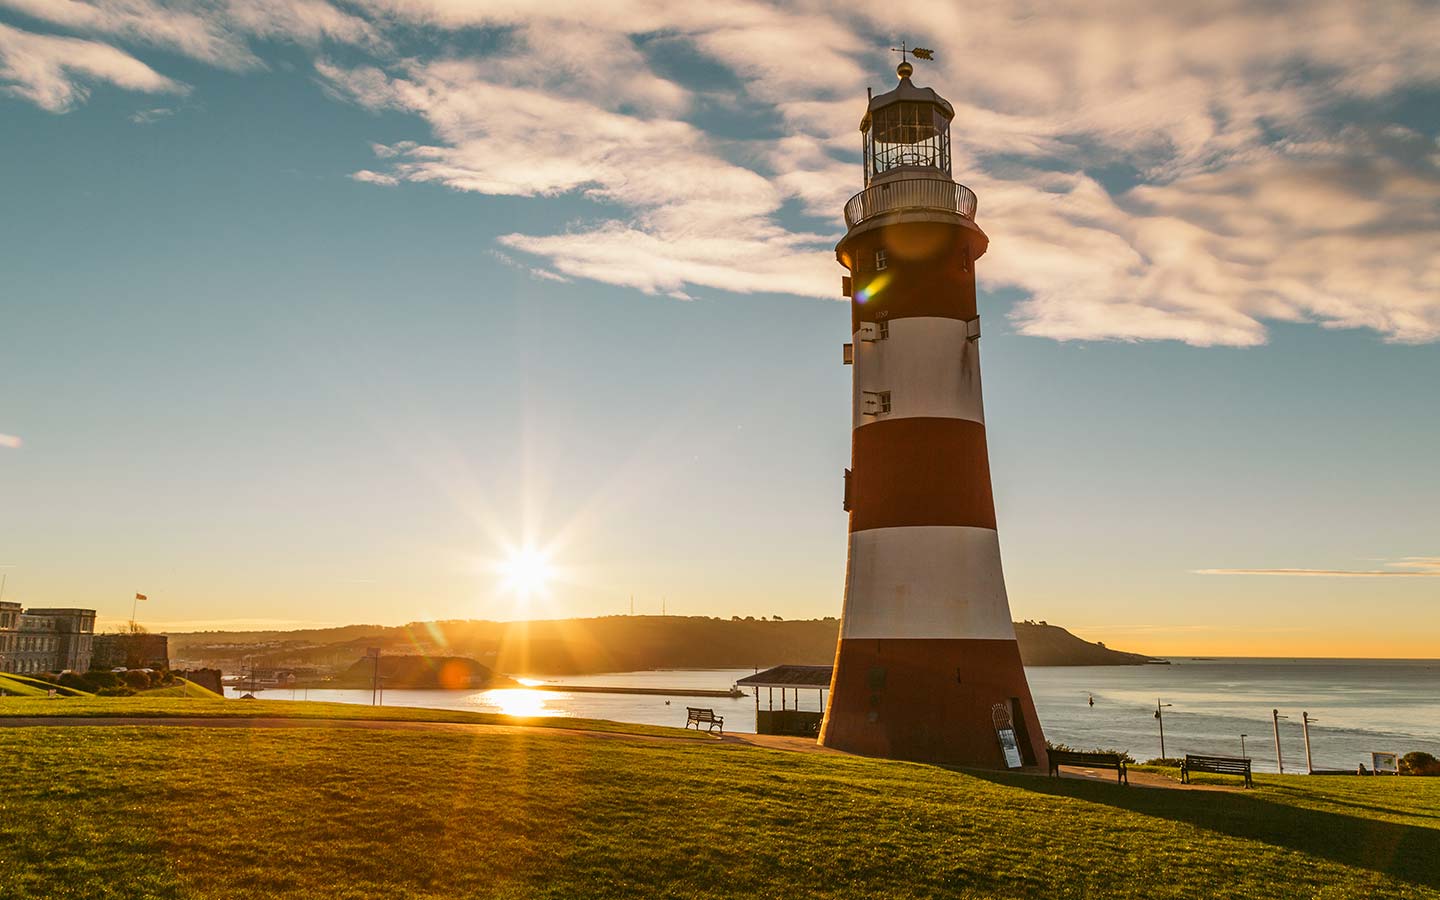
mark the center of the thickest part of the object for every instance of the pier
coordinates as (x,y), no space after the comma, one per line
(657,692)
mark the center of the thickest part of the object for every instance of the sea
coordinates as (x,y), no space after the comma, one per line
(1355,707)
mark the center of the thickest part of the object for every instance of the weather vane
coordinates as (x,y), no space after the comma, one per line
(917,52)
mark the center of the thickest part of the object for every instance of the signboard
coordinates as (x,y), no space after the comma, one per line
(1010,746)
(1385,763)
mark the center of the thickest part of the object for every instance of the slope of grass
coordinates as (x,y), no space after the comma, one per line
(219,813)
(156,703)
(35,687)
(20,686)
(183,688)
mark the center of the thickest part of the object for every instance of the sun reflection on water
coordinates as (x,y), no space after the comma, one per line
(518,702)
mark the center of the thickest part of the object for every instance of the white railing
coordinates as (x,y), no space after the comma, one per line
(910,193)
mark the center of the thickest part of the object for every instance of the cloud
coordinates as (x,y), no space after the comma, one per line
(1408,567)
(670,210)
(55,73)
(151,116)
(379,178)
(1145,172)
(216,33)
(11,441)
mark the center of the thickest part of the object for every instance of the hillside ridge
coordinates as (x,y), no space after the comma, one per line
(602,644)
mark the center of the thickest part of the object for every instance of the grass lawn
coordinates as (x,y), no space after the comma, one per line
(222,813)
(166,702)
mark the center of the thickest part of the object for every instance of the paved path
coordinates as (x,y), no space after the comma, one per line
(1140,779)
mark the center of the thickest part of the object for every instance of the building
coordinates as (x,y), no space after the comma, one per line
(131,651)
(927,666)
(45,640)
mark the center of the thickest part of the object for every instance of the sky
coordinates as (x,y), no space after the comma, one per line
(318,312)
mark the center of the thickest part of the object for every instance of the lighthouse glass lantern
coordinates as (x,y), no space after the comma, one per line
(907,130)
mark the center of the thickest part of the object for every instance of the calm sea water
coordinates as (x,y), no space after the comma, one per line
(1357,706)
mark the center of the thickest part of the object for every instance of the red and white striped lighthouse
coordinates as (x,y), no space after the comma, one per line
(927,666)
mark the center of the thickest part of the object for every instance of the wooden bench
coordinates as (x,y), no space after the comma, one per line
(697,717)
(1095,760)
(1219,765)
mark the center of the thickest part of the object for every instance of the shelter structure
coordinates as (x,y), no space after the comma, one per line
(790,681)
(927,667)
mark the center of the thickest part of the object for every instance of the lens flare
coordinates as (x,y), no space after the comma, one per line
(876,285)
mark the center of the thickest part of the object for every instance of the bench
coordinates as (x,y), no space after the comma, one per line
(1219,765)
(697,717)
(1094,760)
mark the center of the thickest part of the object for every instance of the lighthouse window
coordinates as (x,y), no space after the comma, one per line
(883,327)
(908,134)
(877,403)
(880,260)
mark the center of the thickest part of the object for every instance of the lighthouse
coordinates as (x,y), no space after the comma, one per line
(927,667)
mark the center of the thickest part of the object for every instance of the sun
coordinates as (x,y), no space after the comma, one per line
(526,571)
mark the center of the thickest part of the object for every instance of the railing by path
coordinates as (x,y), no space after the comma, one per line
(910,193)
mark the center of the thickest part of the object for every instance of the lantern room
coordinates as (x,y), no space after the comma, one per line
(907,131)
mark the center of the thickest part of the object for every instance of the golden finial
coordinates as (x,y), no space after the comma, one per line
(905,70)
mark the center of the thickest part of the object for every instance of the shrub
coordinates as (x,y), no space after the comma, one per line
(1124,754)
(1418,762)
(71,680)
(137,680)
(1171,761)
(116,692)
(99,678)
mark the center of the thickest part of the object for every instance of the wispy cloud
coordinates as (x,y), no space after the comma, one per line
(1247,191)
(11,441)
(150,116)
(379,178)
(55,73)
(1407,567)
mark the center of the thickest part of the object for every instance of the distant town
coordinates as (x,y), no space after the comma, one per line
(53,641)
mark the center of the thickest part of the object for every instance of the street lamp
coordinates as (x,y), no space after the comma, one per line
(1161,719)
(1279,759)
(1242,746)
(1305,721)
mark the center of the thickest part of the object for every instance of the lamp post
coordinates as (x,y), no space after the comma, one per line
(1279,759)
(1305,721)
(374,654)
(1159,717)
(1242,746)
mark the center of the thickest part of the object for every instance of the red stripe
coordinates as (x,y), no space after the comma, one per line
(927,700)
(926,273)
(920,471)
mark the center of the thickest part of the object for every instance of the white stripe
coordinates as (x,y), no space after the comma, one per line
(929,367)
(926,581)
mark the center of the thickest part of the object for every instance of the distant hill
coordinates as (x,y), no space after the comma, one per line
(449,672)
(605,644)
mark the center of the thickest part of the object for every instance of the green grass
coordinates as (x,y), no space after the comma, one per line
(129,812)
(25,686)
(183,688)
(158,703)
(20,686)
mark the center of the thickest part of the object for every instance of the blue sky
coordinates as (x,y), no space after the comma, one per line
(311,311)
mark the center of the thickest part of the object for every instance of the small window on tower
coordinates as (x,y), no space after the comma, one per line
(880,260)
(876,403)
(884,329)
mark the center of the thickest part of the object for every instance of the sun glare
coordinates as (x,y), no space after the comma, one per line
(526,571)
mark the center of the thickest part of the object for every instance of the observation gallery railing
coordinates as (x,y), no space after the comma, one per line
(910,193)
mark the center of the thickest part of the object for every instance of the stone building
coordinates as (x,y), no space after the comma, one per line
(133,651)
(45,640)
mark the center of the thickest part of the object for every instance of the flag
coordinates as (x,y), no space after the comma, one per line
(922,53)
(141,597)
